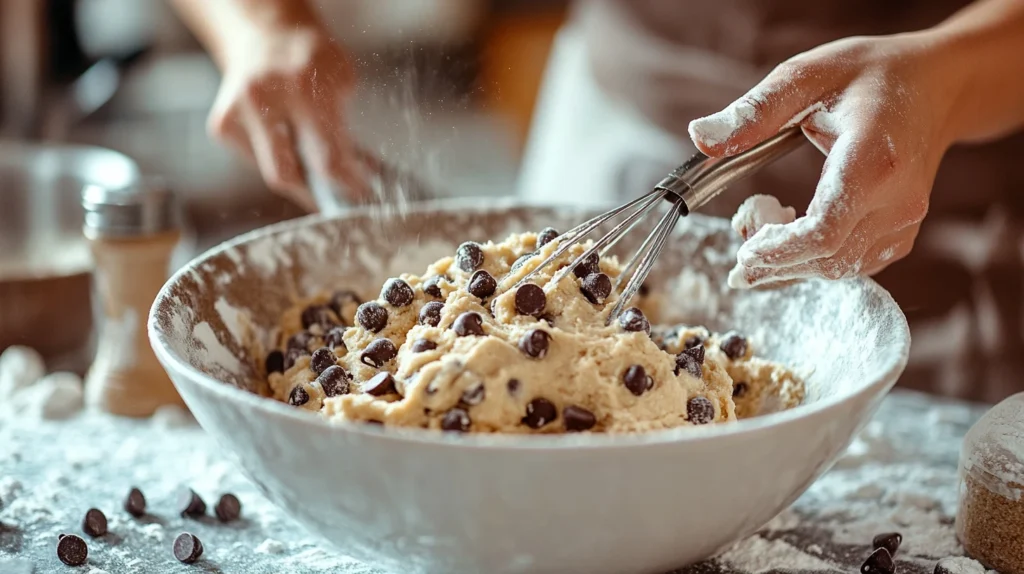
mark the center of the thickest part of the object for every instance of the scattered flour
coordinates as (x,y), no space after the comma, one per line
(960,565)
(757,554)
(270,546)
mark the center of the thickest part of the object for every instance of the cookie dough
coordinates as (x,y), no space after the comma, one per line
(459,349)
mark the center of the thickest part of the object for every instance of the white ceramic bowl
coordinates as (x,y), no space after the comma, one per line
(419,501)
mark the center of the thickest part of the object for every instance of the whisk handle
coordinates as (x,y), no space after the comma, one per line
(702,178)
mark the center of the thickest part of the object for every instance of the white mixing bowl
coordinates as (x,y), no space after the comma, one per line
(420,501)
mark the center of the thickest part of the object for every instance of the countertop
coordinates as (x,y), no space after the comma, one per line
(900,474)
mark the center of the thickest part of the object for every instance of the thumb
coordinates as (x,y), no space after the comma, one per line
(787,95)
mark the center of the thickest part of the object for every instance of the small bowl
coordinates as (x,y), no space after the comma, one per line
(411,500)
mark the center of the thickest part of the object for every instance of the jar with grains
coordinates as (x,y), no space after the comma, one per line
(990,517)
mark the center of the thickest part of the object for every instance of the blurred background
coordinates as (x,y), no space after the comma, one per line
(452,85)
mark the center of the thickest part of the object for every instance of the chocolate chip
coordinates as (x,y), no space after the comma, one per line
(889,540)
(456,420)
(733,345)
(539,412)
(469,323)
(378,352)
(322,359)
(135,504)
(379,385)
(879,562)
(228,508)
(298,396)
(633,320)
(535,343)
(301,341)
(318,315)
(274,362)
(423,345)
(481,284)
(372,317)
(187,548)
(636,380)
(546,235)
(72,550)
(474,395)
(596,287)
(530,300)
(334,381)
(190,504)
(342,299)
(739,389)
(95,523)
(522,259)
(469,256)
(490,308)
(432,286)
(513,386)
(292,355)
(697,353)
(687,362)
(336,338)
(397,292)
(430,314)
(700,411)
(693,341)
(588,266)
(578,419)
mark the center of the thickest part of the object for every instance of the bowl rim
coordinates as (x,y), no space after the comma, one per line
(504,441)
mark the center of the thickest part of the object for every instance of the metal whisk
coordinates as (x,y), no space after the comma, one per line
(687,188)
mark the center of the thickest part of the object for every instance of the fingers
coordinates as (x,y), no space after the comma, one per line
(788,94)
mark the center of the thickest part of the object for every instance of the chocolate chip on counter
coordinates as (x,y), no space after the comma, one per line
(578,419)
(469,323)
(693,341)
(522,259)
(379,385)
(397,292)
(336,338)
(95,523)
(187,548)
(378,352)
(513,386)
(481,284)
(61,535)
(739,389)
(539,412)
(317,315)
(733,345)
(636,380)
(334,381)
(596,287)
(274,362)
(190,504)
(879,562)
(588,266)
(687,362)
(633,320)
(889,540)
(700,411)
(423,345)
(322,359)
(697,353)
(456,420)
(298,396)
(372,317)
(292,355)
(135,504)
(546,235)
(469,256)
(535,343)
(430,314)
(228,508)
(432,286)
(530,300)
(300,340)
(474,395)
(343,298)
(72,550)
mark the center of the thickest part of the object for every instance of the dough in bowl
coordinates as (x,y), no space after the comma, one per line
(458,349)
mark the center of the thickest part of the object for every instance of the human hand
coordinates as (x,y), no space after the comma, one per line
(281,104)
(878,108)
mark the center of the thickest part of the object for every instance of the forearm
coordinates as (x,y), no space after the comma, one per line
(220,23)
(984,44)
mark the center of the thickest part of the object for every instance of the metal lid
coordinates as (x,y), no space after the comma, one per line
(144,208)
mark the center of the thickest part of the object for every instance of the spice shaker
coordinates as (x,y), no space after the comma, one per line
(132,233)
(990,516)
